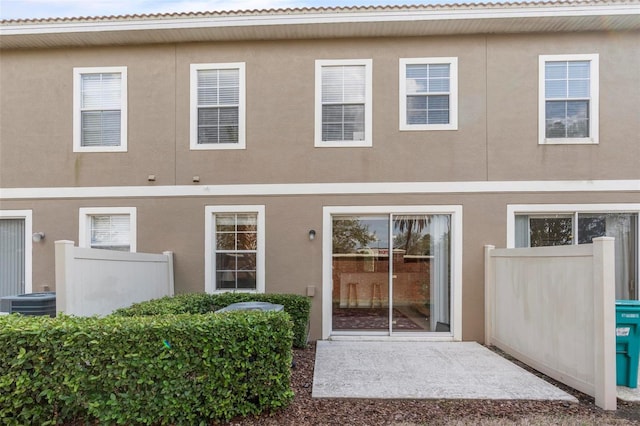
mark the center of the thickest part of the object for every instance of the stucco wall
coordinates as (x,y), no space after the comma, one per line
(496,137)
(496,140)
(292,261)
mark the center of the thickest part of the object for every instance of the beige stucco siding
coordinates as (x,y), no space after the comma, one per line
(37,121)
(496,137)
(292,261)
(496,142)
(512,81)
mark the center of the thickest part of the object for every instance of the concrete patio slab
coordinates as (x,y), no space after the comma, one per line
(628,394)
(423,370)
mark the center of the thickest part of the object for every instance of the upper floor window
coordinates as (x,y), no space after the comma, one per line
(568,99)
(218,106)
(234,248)
(110,228)
(343,103)
(100,109)
(428,94)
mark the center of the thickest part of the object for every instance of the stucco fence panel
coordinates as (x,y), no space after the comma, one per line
(96,282)
(553,308)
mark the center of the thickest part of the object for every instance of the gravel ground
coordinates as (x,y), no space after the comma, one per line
(307,411)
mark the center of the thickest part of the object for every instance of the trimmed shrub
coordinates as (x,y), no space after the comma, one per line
(298,307)
(166,369)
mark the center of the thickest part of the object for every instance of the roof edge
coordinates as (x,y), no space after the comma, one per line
(337,22)
(321,10)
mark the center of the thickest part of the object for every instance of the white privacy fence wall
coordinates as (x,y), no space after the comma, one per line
(96,282)
(553,308)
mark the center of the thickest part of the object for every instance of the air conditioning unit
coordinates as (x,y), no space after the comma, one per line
(30,304)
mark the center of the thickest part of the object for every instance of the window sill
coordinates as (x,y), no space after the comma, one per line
(344,144)
(99,149)
(217,147)
(568,141)
(427,127)
(231,290)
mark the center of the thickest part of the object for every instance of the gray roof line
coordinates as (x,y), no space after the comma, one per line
(316,10)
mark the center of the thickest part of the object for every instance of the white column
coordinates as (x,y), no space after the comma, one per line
(64,272)
(604,322)
(488,294)
(170,277)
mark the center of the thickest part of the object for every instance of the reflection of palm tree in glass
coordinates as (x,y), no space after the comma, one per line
(411,225)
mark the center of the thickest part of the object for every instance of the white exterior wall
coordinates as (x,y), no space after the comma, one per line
(554,309)
(96,282)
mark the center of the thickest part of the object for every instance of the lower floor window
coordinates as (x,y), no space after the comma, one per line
(109,228)
(111,232)
(235,248)
(539,230)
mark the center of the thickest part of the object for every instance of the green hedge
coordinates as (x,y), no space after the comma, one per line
(168,369)
(298,307)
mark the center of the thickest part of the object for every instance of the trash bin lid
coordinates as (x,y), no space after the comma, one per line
(252,306)
(631,303)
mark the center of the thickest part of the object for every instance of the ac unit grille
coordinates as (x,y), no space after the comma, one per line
(35,304)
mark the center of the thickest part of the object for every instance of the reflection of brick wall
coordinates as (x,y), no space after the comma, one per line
(411,282)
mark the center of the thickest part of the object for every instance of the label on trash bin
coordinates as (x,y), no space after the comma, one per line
(623,331)
(630,315)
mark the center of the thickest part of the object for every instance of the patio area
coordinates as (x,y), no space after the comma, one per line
(423,370)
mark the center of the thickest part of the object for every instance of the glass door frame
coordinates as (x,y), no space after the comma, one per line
(456,270)
(573,210)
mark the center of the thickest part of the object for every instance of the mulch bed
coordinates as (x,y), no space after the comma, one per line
(305,410)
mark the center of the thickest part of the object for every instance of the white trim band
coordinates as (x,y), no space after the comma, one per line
(632,185)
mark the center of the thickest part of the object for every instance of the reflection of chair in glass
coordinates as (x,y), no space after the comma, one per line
(376,295)
(352,295)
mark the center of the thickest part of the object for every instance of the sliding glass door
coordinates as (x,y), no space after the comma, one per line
(361,273)
(391,273)
(566,228)
(420,273)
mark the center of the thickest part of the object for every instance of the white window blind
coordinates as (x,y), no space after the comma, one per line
(111,232)
(100,109)
(218,103)
(567,99)
(343,103)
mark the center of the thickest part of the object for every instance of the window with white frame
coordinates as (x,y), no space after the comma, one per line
(428,93)
(100,109)
(109,228)
(533,226)
(568,99)
(218,106)
(234,248)
(343,103)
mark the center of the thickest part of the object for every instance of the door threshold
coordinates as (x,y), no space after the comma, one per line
(394,338)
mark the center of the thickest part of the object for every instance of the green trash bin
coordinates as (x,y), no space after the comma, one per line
(627,342)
